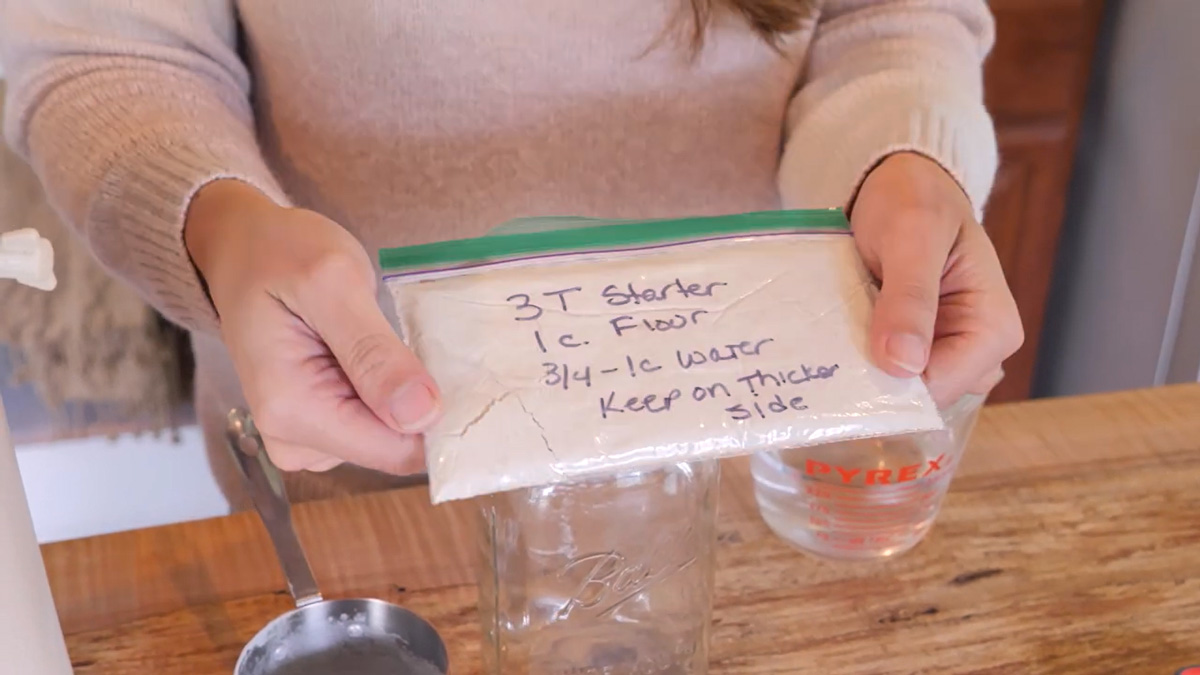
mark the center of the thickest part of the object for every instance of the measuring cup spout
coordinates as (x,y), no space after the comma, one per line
(265,485)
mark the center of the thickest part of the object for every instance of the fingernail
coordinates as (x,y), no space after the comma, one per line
(908,352)
(414,407)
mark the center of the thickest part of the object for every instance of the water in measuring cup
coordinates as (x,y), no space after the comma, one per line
(861,500)
(370,655)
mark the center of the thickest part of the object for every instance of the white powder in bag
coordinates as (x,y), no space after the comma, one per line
(553,368)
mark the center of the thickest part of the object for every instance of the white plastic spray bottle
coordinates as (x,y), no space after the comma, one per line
(31,639)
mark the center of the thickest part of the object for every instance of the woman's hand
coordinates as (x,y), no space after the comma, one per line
(325,375)
(944,310)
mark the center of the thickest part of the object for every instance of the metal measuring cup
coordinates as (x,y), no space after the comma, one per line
(321,637)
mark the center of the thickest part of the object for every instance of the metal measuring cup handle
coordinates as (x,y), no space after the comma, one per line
(264,482)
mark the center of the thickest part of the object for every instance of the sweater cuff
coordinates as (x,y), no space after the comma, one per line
(144,200)
(831,151)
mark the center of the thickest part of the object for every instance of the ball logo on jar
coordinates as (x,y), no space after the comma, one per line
(610,579)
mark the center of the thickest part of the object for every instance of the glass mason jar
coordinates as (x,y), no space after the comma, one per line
(606,576)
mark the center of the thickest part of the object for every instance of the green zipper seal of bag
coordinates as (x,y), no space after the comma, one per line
(604,236)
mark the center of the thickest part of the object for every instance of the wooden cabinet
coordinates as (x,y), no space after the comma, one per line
(1035,85)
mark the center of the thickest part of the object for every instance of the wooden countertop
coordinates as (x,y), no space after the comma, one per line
(1070,543)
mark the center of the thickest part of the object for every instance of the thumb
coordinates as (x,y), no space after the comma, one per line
(385,374)
(906,310)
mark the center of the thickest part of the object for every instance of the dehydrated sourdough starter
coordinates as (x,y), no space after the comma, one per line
(568,355)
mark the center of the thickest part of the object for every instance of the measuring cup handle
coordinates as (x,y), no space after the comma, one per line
(265,485)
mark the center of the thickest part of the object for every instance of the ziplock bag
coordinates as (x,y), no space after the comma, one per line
(612,346)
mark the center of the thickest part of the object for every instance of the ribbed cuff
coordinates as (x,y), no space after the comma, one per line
(831,150)
(144,200)
(123,150)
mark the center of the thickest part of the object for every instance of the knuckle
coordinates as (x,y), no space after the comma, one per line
(1012,331)
(370,356)
(335,269)
(913,291)
(921,223)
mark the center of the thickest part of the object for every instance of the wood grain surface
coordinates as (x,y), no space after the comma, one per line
(1070,543)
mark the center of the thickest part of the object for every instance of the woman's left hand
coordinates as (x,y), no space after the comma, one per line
(944,310)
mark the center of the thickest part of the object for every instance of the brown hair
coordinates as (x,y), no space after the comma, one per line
(770,19)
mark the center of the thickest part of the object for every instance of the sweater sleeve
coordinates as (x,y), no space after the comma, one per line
(125,110)
(884,76)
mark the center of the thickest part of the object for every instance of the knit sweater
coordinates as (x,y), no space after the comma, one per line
(409,121)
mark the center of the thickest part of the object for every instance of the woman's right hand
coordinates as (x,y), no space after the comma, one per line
(325,375)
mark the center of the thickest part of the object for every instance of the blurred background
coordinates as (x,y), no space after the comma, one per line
(1095,216)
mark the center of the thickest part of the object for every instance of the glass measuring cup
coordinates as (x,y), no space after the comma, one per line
(606,576)
(862,499)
